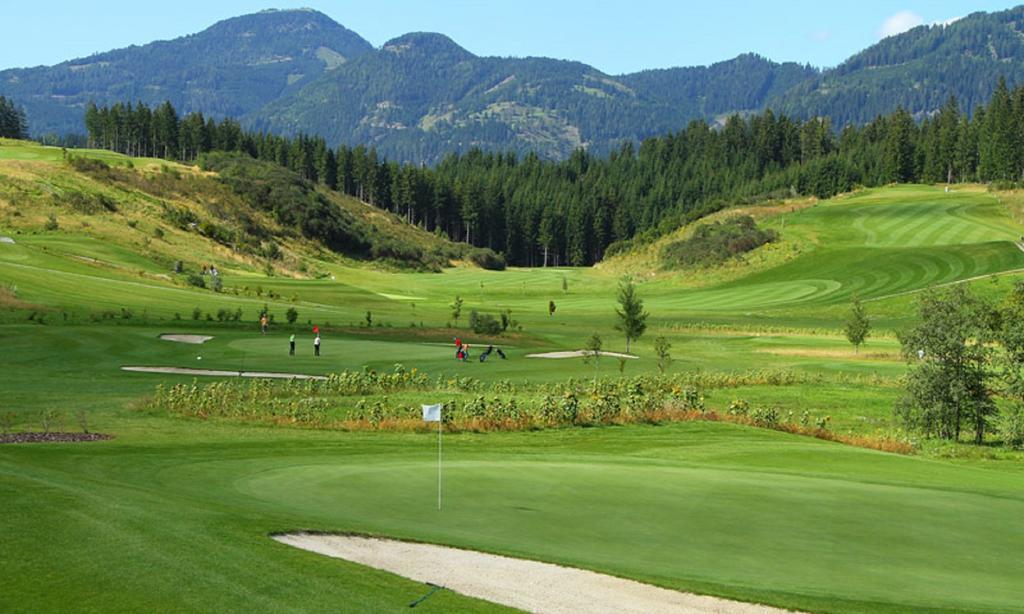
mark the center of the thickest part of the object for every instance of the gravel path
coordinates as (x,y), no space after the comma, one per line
(193,339)
(578,354)
(528,585)
(221,373)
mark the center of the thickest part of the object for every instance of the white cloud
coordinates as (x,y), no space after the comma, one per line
(821,36)
(899,23)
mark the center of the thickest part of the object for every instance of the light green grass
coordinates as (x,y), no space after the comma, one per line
(174,514)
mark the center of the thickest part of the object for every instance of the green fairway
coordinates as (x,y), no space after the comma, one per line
(174,513)
(713,508)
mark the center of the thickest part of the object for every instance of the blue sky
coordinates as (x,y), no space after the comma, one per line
(614,36)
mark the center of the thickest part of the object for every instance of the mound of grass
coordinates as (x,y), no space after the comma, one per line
(714,243)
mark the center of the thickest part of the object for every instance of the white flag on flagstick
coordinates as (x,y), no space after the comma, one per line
(432,413)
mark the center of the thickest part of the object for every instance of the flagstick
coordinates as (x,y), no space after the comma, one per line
(439,465)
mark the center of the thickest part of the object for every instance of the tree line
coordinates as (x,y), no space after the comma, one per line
(576,211)
(12,120)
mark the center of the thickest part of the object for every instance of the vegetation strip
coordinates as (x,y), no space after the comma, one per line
(533,586)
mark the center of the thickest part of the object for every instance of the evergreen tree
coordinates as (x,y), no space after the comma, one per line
(631,314)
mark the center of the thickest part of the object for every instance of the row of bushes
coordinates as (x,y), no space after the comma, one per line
(502,405)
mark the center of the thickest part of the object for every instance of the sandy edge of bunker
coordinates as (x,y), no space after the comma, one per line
(579,354)
(191,339)
(222,373)
(533,586)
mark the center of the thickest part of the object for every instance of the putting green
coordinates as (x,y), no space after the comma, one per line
(724,509)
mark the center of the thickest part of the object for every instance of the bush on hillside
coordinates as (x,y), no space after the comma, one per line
(293,201)
(486,258)
(714,243)
(88,165)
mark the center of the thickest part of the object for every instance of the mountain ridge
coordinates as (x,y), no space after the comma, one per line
(421,95)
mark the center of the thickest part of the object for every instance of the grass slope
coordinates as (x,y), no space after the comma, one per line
(174,514)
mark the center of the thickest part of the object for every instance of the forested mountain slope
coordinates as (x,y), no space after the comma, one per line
(918,70)
(232,68)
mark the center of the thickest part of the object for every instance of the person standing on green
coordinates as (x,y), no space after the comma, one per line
(291,345)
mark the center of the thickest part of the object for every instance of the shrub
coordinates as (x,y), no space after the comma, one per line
(291,315)
(197,313)
(767,417)
(485,324)
(49,418)
(51,223)
(486,258)
(88,165)
(83,420)
(1011,427)
(7,421)
(194,279)
(714,243)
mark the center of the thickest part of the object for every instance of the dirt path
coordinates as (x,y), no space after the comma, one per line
(528,585)
(221,373)
(578,354)
(193,339)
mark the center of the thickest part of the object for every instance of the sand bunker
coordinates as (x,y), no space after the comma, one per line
(578,354)
(7,240)
(528,585)
(193,339)
(220,373)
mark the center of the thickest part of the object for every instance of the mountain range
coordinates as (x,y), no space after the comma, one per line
(421,95)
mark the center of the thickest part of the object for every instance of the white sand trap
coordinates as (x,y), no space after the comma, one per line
(528,585)
(220,373)
(578,354)
(400,297)
(7,240)
(193,339)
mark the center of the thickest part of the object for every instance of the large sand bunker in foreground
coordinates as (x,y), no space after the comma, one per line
(528,585)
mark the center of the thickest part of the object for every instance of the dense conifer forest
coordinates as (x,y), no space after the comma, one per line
(577,211)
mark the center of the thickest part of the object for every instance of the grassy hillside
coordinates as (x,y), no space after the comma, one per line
(174,513)
(136,217)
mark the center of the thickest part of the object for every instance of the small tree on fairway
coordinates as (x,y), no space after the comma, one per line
(291,315)
(593,351)
(632,317)
(457,310)
(858,326)
(661,350)
(565,284)
(551,308)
